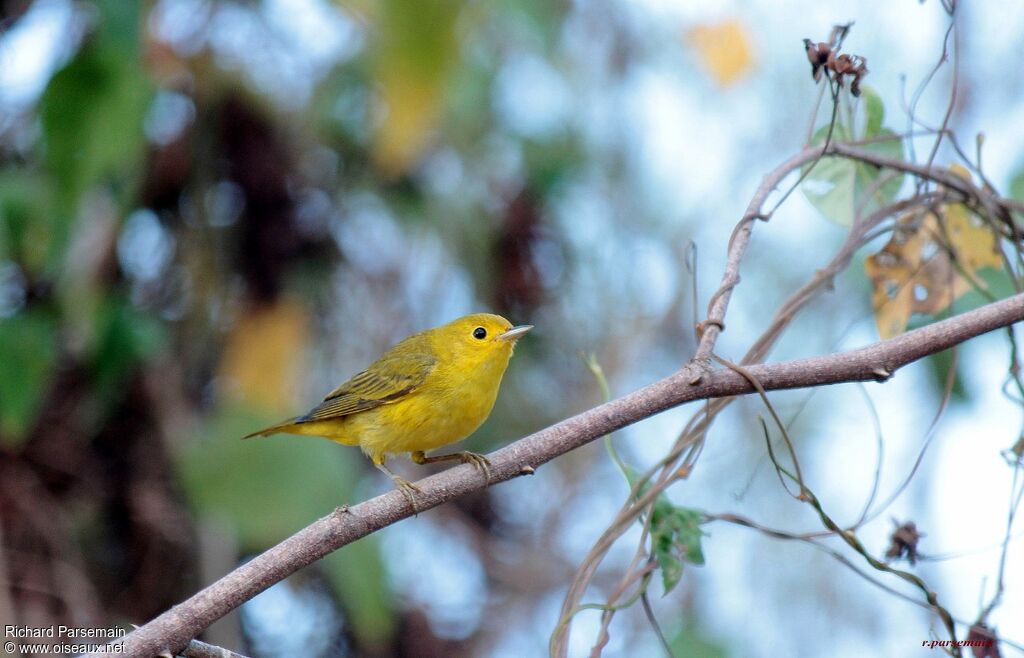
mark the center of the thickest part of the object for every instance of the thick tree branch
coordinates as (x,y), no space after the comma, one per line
(172,630)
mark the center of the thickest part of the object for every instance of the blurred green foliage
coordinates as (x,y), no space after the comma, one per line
(269,488)
(125,340)
(91,115)
(26,218)
(28,357)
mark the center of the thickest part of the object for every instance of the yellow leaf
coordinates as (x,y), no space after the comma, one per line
(928,264)
(409,116)
(975,245)
(263,359)
(724,50)
(961,171)
(892,271)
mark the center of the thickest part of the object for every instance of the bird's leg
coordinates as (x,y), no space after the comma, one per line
(478,461)
(407,488)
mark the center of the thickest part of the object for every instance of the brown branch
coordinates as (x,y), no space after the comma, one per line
(173,629)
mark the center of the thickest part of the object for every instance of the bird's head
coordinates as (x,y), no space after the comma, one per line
(480,339)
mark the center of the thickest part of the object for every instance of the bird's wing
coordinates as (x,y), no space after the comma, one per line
(387,380)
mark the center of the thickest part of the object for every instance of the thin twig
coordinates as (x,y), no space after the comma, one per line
(649,612)
(880,446)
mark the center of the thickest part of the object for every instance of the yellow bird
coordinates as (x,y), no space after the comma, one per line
(433,388)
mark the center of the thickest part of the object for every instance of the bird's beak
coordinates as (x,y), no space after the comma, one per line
(515,333)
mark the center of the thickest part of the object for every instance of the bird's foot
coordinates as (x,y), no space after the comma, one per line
(478,461)
(409,490)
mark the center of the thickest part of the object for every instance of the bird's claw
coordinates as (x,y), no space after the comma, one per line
(407,488)
(479,462)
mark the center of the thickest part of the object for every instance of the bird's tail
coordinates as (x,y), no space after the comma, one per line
(328,429)
(282,427)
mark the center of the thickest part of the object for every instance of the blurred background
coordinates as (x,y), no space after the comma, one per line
(214,211)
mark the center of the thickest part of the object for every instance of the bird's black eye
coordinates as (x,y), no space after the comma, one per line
(479,333)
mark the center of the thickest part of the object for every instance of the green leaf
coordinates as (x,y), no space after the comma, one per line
(840,187)
(26,218)
(124,339)
(690,642)
(675,534)
(119,26)
(874,111)
(28,356)
(675,539)
(997,283)
(1017,185)
(92,113)
(671,566)
(939,365)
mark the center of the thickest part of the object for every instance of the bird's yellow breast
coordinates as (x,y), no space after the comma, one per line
(448,408)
